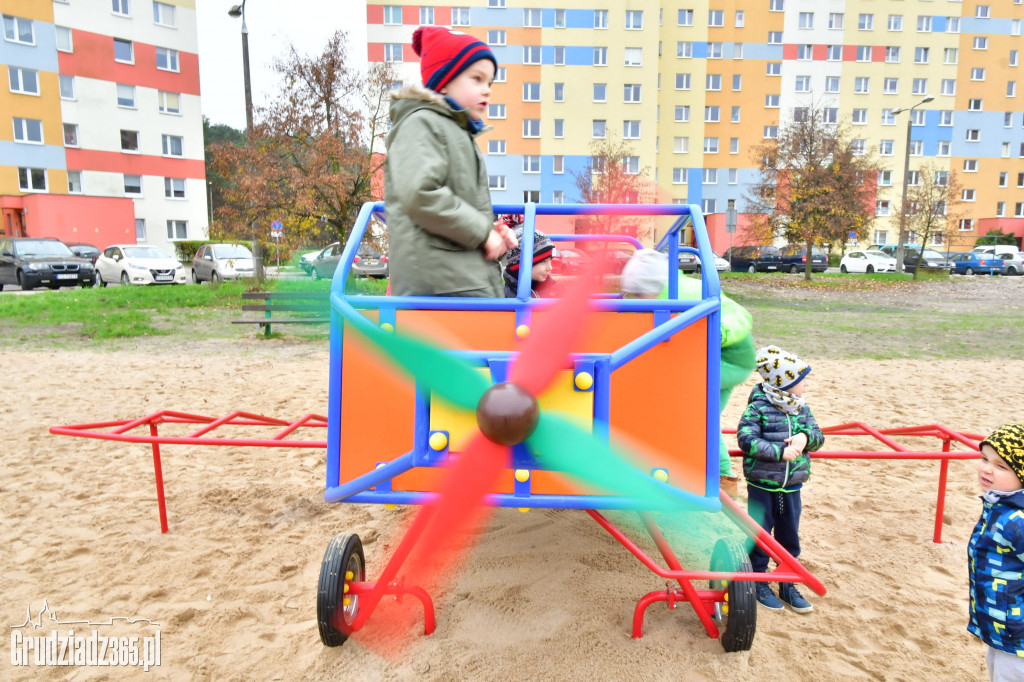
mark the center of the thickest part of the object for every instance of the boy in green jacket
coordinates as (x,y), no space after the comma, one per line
(441,231)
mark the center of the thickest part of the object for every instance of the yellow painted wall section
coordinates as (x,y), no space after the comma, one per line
(37,10)
(9,180)
(45,108)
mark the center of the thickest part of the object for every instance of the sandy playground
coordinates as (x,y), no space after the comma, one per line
(546,595)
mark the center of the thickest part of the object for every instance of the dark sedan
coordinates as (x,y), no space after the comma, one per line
(794,259)
(29,263)
(85,251)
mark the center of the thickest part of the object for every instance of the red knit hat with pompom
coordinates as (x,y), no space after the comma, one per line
(444,54)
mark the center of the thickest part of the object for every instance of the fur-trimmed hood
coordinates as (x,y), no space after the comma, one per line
(410,98)
(418,92)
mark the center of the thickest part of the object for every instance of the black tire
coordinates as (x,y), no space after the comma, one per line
(842,269)
(344,554)
(969,271)
(125,280)
(698,270)
(871,269)
(315,274)
(214,277)
(751,268)
(99,280)
(195,277)
(793,269)
(737,617)
(24,286)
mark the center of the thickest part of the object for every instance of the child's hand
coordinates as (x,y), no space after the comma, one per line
(799,441)
(495,246)
(790,454)
(507,234)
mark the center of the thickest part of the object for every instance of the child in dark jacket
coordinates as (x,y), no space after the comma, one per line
(542,284)
(995,554)
(776,433)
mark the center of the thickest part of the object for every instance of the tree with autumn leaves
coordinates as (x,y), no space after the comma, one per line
(933,207)
(816,185)
(309,160)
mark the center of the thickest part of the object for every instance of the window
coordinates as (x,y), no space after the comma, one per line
(941,178)
(682,81)
(806,20)
(166,59)
(531,18)
(393,52)
(177,229)
(601,18)
(977,73)
(558,164)
(943,148)
(495,37)
(600,129)
(500,75)
(888,118)
(1019,210)
(948,86)
(28,130)
(496,146)
(631,94)
(1005,150)
(174,188)
(70,134)
(834,53)
(708,206)
(163,14)
(130,141)
(631,130)
(531,92)
(740,19)
(967,195)
(835,20)
(800,114)
(885,178)
(679,176)
(924,24)
(495,182)
(735,117)
(857,147)
(919,87)
(891,86)
(776,6)
(980,43)
(710,176)
(531,163)
(634,20)
(121,7)
(885,147)
(771,132)
(716,17)
(981,12)
(558,196)
(1000,209)
(892,55)
(863,53)
(684,17)
(972,135)
(64,41)
(946,117)
(712,114)
(684,49)
(895,22)
(774,37)
(19,30)
(713,81)
(737,50)
(426,16)
(1014,57)
(559,127)
(531,127)
(392,15)
(631,165)
(1011,88)
(680,145)
(32,179)
(771,101)
(860,117)
(460,16)
(123,51)
(173,145)
(830,115)
(133,184)
(74,182)
(916,147)
(774,69)
(805,52)
(918,117)
(67,86)
(881,208)
(1004,179)
(597,164)
(559,92)
(865,22)
(682,114)
(600,56)
(559,58)
(803,83)
(634,56)
(600,92)
(126,95)
(975,104)
(169,102)
(710,145)
(559,18)
(495,111)
(23,81)
(861,85)
(970,165)
(1015,26)
(949,55)
(531,54)
(881,236)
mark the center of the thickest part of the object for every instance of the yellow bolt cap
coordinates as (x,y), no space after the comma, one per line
(522,475)
(522,331)
(349,575)
(584,381)
(346,589)
(438,441)
(388,327)
(661,475)
(524,509)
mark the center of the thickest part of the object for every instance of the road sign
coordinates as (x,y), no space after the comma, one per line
(276,226)
(730,220)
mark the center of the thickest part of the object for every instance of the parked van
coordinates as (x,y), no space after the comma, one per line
(754,258)
(1013,259)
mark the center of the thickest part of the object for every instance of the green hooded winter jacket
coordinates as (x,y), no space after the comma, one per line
(438,204)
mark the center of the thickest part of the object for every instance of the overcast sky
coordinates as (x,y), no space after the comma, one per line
(273,25)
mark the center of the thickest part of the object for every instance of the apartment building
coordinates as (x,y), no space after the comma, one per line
(695,86)
(103,139)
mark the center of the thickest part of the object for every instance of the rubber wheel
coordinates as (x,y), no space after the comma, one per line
(344,555)
(214,278)
(793,269)
(195,277)
(125,282)
(23,285)
(843,269)
(871,269)
(315,274)
(969,271)
(698,270)
(751,268)
(737,617)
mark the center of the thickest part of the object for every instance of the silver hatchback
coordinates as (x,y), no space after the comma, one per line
(219,262)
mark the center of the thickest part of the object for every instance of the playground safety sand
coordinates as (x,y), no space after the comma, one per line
(546,595)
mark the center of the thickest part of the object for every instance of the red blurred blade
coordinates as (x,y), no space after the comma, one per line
(546,349)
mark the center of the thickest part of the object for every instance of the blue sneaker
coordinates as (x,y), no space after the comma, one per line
(767,598)
(790,595)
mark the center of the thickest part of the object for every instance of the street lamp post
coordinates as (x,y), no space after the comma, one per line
(239,11)
(906,182)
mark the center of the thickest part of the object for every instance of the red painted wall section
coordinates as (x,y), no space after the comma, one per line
(375,52)
(1014,226)
(374,14)
(94,58)
(411,15)
(134,164)
(789,51)
(100,221)
(443,16)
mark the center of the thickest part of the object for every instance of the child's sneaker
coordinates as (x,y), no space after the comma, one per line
(730,485)
(767,598)
(790,595)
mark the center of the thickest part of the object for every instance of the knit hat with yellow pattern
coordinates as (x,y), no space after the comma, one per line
(1008,442)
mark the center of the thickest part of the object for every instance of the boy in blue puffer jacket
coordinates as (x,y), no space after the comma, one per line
(776,433)
(995,554)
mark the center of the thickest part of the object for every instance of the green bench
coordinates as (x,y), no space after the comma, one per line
(311,307)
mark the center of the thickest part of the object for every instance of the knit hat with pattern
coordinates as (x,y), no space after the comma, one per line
(542,248)
(780,369)
(444,54)
(1008,442)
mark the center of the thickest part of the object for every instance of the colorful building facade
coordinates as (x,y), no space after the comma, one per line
(102,137)
(694,87)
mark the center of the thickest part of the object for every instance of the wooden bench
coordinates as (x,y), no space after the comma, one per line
(315,306)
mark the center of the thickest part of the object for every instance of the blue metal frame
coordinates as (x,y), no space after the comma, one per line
(374,486)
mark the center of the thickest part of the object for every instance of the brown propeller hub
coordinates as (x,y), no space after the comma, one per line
(507,413)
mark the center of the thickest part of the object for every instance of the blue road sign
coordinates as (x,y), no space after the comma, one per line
(275,226)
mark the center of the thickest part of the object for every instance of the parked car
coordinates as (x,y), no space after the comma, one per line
(30,262)
(867,261)
(1013,259)
(326,262)
(974,262)
(794,258)
(931,259)
(370,262)
(138,264)
(690,263)
(754,258)
(85,251)
(218,262)
(567,261)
